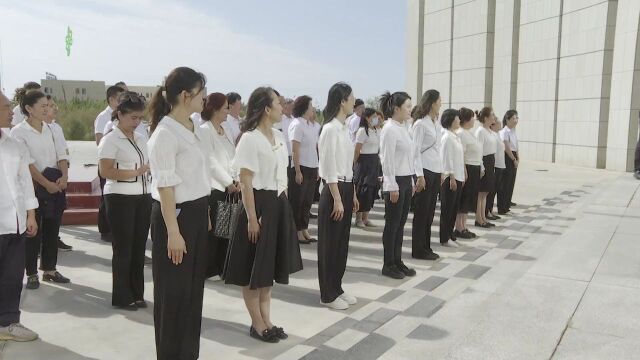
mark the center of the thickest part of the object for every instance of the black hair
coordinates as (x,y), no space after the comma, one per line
(179,79)
(358,103)
(338,93)
(120,84)
(368,112)
(484,114)
(260,99)
(301,105)
(508,115)
(233,97)
(30,98)
(128,102)
(465,115)
(448,117)
(20,92)
(113,91)
(429,98)
(388,102)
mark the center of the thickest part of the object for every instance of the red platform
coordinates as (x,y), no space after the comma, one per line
(83,196)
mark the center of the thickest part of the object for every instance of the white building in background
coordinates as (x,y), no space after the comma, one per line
(570,67)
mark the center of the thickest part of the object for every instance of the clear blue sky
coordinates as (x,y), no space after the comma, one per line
(299,47)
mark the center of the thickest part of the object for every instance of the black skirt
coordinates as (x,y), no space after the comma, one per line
(275,256)
(488,181)
(365,177)
(469,194)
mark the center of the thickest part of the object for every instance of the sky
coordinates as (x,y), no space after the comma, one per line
(299,47)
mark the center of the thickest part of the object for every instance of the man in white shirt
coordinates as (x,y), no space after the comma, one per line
(353,121)
(17,218)
(113,92)
(18,116)
(233,119)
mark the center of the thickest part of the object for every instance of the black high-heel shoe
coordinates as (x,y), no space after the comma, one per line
(267,335)
(279,333)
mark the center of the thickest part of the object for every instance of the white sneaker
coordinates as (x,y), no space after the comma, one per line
(349,299)
(451,244)
(337,304)
(215,278)
(360,224)
(17,332)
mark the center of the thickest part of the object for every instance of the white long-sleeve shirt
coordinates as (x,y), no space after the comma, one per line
(427,137)
(336,153)
(17,195)
(396,154)
(452,156)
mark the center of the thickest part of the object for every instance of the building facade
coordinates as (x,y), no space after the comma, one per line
(570,67)
(67,90)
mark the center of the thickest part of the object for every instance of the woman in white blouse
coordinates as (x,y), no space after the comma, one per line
(124,162)
(453,176)
(180,170)
(512,160)
(49,169)
(224,178)
(338,200)
(304,133)
(500,166)
(396,155)
(489,147)
(264,247)
(426,134)
(367,168)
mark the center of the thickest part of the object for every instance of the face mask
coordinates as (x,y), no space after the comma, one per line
(375,121)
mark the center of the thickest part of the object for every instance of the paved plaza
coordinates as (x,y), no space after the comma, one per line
(559,278)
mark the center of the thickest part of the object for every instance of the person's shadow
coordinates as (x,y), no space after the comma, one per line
(15,350)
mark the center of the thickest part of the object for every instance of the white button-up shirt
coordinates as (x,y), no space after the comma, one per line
(283,126)
(222,156)
(427,137)
(17,195)
(509,135)
(307,134)
(179,158)
(396,154)
(370,143)
(471,147)
(267,162)
(233,125)
(44,150)
(128,155)
(452,156)
(101,120)
(18,116)
(336,153)
(500,162)
(487,141)
(353,122)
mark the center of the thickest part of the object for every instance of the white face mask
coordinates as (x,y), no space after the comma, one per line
(375,121)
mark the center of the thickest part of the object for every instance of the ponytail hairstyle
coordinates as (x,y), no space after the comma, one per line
(260,99)
(166,97)
(367,113)
(465,115)
(388,102)
(484,114)
(21,92)
(508,115)
(429,98)
(212,104)
(128,102)
(338,93)
(30,98)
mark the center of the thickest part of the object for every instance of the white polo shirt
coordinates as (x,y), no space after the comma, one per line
(307,134)
(43,149)
(128,155)
(267,162)
(336,153)
(101,120)
(17,195)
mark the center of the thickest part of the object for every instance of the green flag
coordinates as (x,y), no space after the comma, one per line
(69,41)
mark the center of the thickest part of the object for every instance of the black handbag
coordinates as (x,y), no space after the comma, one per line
(227,214)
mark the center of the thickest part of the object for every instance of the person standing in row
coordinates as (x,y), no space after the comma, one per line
(224,180)
(489,147)
(453,176)
(233,118)
(367,168)
(179,162)
(304,133)
(512,160)
(426,134)
(396,155)
(124,162)
(353,121)
(338,200)
(18,116)
(49,169)
(258,252)
(496,126)
(17,219)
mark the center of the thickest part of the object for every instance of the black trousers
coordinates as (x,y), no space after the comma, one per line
(508,184)
(44,243)
(425,209)
(178,289)
(103,222)
(636,160)
(301,197)
(12,257)
(395,217)
(333,242)
(492,195)
(130,218)
(449,202)
(217,245)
